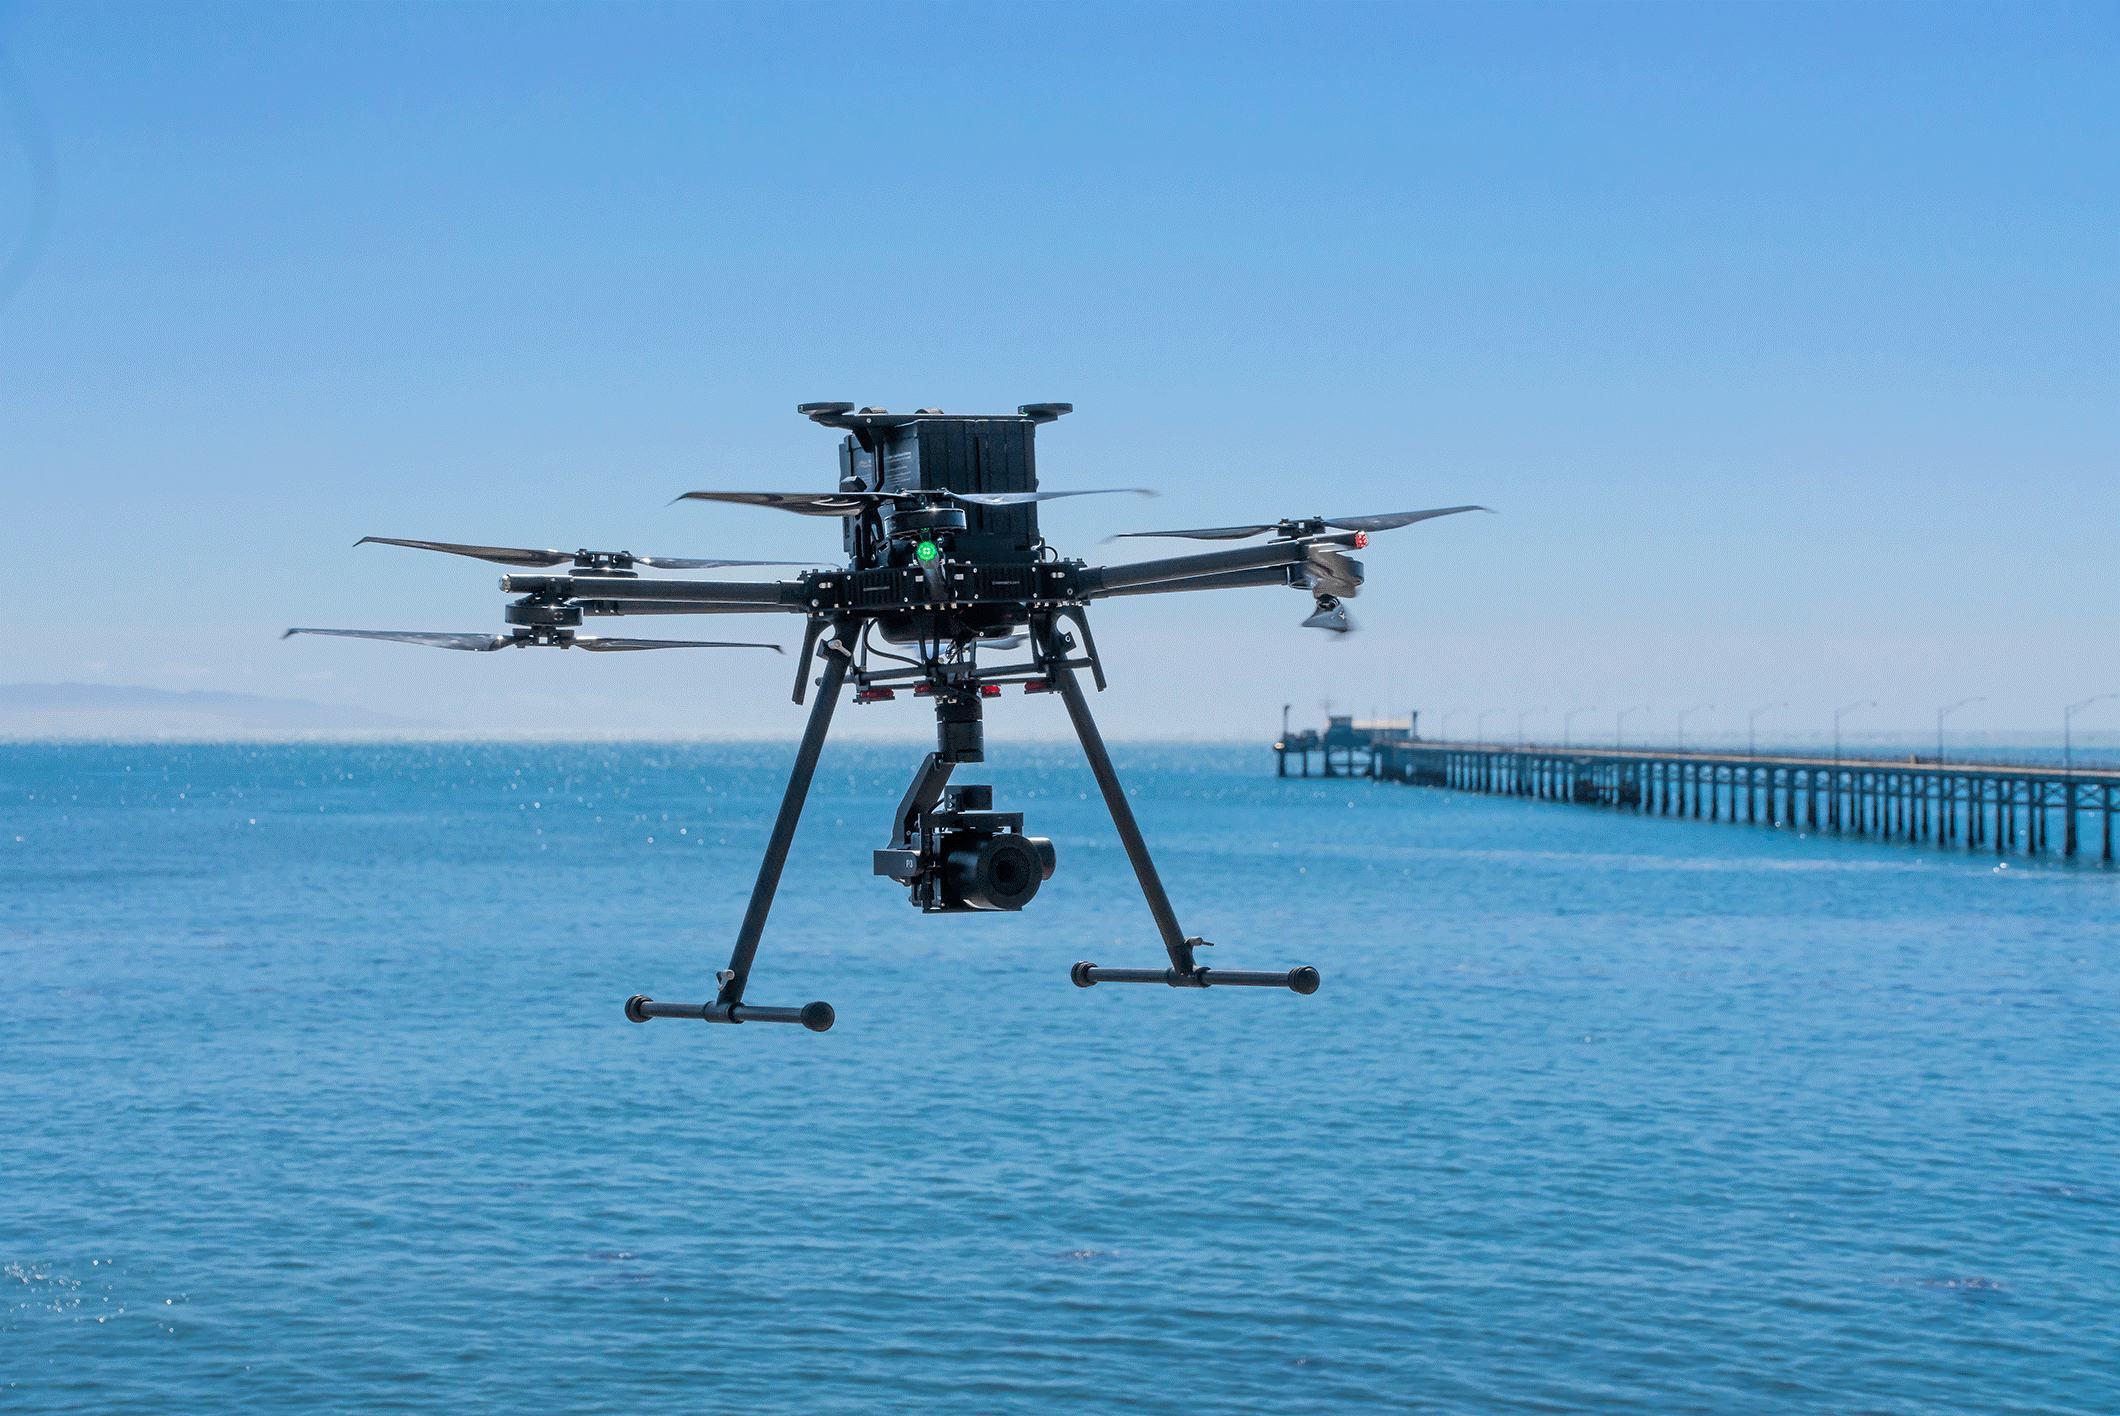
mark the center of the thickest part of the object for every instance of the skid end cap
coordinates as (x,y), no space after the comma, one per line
(1080,975)
(633,1012)
(819,1017)
(1303,980)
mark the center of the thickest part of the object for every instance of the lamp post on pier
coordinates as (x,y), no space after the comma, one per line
(1682,721)
(1855,800)
(1619,726)
(1944,712)
(1838,714)
(1520,723)
(2068,715)
(1752,728)
(1568,721)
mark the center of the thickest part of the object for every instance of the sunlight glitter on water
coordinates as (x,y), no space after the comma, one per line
(1592,1112)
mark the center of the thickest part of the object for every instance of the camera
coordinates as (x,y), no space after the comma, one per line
(962,855)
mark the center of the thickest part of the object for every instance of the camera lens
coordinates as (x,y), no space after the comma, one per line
(1000,873)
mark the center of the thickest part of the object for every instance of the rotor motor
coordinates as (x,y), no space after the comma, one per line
(542,615)
(917,523)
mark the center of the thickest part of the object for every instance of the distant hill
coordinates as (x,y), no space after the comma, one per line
(111,710)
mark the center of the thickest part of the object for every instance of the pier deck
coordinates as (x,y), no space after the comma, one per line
(2011,809)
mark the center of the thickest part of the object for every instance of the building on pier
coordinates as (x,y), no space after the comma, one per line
(2009,809)
(1356,742)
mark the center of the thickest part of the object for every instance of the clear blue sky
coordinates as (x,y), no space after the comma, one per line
(1783,337)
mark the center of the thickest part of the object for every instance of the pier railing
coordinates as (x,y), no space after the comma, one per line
(1977,805)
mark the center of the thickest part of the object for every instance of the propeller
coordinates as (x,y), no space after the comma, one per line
(517,555)
(478,643)
(486,643)
(855,503)
(1204,533)
(1295,528)
(801,503)
(1020,498)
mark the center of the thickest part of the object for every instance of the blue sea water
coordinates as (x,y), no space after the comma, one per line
(318,1097)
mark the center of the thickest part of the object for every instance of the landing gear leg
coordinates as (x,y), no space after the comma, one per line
(729,1007)
(1183,972)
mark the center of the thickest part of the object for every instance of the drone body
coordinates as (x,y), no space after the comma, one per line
(944,562)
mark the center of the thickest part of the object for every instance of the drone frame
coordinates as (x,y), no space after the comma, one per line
(840,604)
(965,603)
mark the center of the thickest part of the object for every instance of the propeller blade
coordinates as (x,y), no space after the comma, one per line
(1344,523)
(477,643)
(1205,533)
(522,555)
(1397,518)
(674,563)
(801,503)
(504,555)
(1020,498)
(1005,642)
(613,646)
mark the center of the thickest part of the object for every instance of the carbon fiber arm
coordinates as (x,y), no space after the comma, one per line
(755,594)
(1276,563)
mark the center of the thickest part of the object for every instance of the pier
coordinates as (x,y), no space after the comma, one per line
(2012,810)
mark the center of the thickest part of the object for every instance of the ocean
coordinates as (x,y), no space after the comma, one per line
(318,1096)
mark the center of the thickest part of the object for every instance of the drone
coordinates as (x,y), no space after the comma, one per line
(944,565)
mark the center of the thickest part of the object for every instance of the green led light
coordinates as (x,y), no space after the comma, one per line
(926,551)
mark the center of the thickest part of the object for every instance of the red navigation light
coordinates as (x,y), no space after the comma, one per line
(923,690)
(1361,539)
(1037,686)
(874,695)
(989,690)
